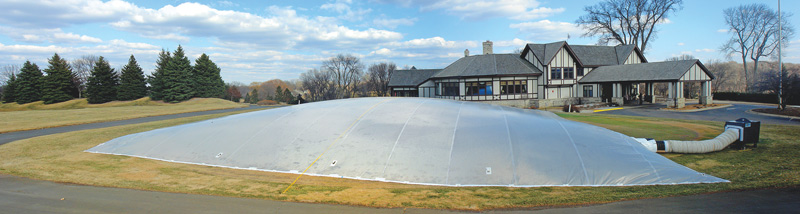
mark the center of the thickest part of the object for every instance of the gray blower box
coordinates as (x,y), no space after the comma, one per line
(750,134)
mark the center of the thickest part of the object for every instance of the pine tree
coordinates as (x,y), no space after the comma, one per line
(178,78)
(132,85)
(208,82)
(102,84)
(10,90)
(247,98)
(29,87)
(57,85)
(156,79)
(278,94)
(287,95)
(254,97)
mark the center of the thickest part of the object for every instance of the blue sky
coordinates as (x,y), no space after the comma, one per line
(263,40)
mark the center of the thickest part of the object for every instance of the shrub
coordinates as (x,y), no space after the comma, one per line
(267,102)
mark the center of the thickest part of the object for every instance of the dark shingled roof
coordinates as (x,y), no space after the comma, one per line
(596,55)
(412,78)
(652,71)
(623,51)
(546,52)
(487,65)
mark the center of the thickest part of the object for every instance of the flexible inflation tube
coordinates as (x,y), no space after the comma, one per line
(718,143)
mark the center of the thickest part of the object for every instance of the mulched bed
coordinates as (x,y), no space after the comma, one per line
(795,112)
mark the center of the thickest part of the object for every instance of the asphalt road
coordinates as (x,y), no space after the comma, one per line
(22,195)
(14,136)
(738,110)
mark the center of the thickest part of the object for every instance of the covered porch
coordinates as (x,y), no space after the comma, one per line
(623,84)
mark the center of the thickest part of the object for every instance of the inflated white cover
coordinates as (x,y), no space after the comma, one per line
(413,140)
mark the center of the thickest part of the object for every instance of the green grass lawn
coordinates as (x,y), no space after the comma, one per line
(37,115)
(60,158)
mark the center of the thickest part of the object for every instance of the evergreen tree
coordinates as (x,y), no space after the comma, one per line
(254,97)
(132,85)
(102,84)
(156,79)
(208,82)
(29,87)
(177,79)
(278,94)
(57,85)
(247,98)
(10,90)
(287,95)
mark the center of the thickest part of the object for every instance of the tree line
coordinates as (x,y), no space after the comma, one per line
(174,80)
(343,76)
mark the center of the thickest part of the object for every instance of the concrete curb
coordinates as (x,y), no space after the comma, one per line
(750,111)
(698,110)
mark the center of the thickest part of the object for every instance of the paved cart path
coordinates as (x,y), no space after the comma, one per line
(23,195)
(14,136)
(735,111)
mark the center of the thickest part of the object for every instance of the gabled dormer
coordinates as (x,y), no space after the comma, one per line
(557,60)
(629,54)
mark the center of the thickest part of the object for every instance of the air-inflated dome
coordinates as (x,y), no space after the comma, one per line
(413,140)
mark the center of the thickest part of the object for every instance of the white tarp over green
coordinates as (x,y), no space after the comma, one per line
(413,140)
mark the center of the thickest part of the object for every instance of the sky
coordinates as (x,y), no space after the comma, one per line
(262,40)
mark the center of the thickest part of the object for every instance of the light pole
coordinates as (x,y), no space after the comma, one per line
(780,63)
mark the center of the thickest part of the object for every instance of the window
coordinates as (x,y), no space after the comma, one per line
(555,73)
(514,87)
(448,89)
(588,91)
(479,88)
(580,72)
(569,73)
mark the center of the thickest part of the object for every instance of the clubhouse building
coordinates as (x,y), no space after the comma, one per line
(555,74)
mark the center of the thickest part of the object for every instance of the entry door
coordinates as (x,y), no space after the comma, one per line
(606,91)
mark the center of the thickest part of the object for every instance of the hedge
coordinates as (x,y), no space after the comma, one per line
(751,97)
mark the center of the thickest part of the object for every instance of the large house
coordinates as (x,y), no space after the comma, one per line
(554,74)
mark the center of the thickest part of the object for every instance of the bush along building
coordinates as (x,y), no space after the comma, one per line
(555,74)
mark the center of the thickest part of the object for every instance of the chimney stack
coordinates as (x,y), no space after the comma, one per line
(487,47)
(466,52)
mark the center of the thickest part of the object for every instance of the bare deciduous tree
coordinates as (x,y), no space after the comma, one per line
(378,77)
(8,71)
(81,69)
(754,30)
(318,84)
(626,21)
(346,71)
(681,57)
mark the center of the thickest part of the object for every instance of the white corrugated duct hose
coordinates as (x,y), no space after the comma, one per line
(730,135)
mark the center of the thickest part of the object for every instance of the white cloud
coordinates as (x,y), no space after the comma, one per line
(722,30)
(393,23)
(71,37)
(227,4)
(546,30)
(54,35)
(433,42)
(346,13)
(680,44)
(706,50)
(483,9)
(61,13)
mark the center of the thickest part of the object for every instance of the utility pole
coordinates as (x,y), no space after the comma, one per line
(780,63)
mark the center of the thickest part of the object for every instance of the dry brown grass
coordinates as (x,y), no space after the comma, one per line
(61,158)
(38,116)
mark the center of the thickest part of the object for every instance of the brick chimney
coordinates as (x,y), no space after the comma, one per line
(466,52)
(487,47)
